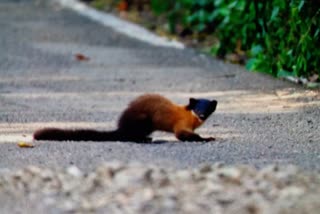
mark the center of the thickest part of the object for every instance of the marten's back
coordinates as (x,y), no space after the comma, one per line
(159,111)
(152,104)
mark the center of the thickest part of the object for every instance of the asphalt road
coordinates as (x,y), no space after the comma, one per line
(259,120)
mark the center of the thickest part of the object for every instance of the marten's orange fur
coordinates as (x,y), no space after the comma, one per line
(147,113)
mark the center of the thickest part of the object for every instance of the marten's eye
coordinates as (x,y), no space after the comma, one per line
(202,117)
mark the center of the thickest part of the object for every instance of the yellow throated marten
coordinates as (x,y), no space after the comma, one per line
(144,115)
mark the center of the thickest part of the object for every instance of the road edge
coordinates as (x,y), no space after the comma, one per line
(121,26)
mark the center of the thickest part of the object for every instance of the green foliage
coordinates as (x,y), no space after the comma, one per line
(104,4)
(281,38)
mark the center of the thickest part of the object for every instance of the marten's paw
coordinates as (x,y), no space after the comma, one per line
(208,139)
(143,140)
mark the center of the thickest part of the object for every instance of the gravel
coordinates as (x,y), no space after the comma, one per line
(134,188)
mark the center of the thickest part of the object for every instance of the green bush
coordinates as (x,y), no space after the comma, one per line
(280,37)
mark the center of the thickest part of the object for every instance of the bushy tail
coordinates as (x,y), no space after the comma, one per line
(76,135)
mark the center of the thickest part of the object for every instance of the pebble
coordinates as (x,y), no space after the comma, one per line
(74,171)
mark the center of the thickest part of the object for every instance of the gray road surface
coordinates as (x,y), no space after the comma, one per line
(259,120)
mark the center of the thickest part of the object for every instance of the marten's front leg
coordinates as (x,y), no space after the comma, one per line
(185,135)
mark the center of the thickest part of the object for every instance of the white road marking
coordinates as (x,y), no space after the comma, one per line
(121,26)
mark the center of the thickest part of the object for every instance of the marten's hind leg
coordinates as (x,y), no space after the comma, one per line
(136,128)
(185,135)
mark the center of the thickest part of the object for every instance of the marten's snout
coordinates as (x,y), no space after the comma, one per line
(203,108)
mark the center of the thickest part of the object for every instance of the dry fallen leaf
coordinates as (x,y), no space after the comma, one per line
(81,57)
(22,144)
(122,6)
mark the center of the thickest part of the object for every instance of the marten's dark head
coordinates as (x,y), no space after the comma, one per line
(203,108)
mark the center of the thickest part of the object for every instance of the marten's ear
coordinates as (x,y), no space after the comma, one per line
(214,104)
(192,103)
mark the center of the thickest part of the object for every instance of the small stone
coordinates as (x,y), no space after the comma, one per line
(34,170)
(130,177)
(46,174)
(159,178)
(231,174)
(74,171)
(147,194)
(225,200)
(183,175)
(205,168)
(212,188)
(292,191)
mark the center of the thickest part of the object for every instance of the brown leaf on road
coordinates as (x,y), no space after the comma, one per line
(81,57)
(122,6)
(25,145)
